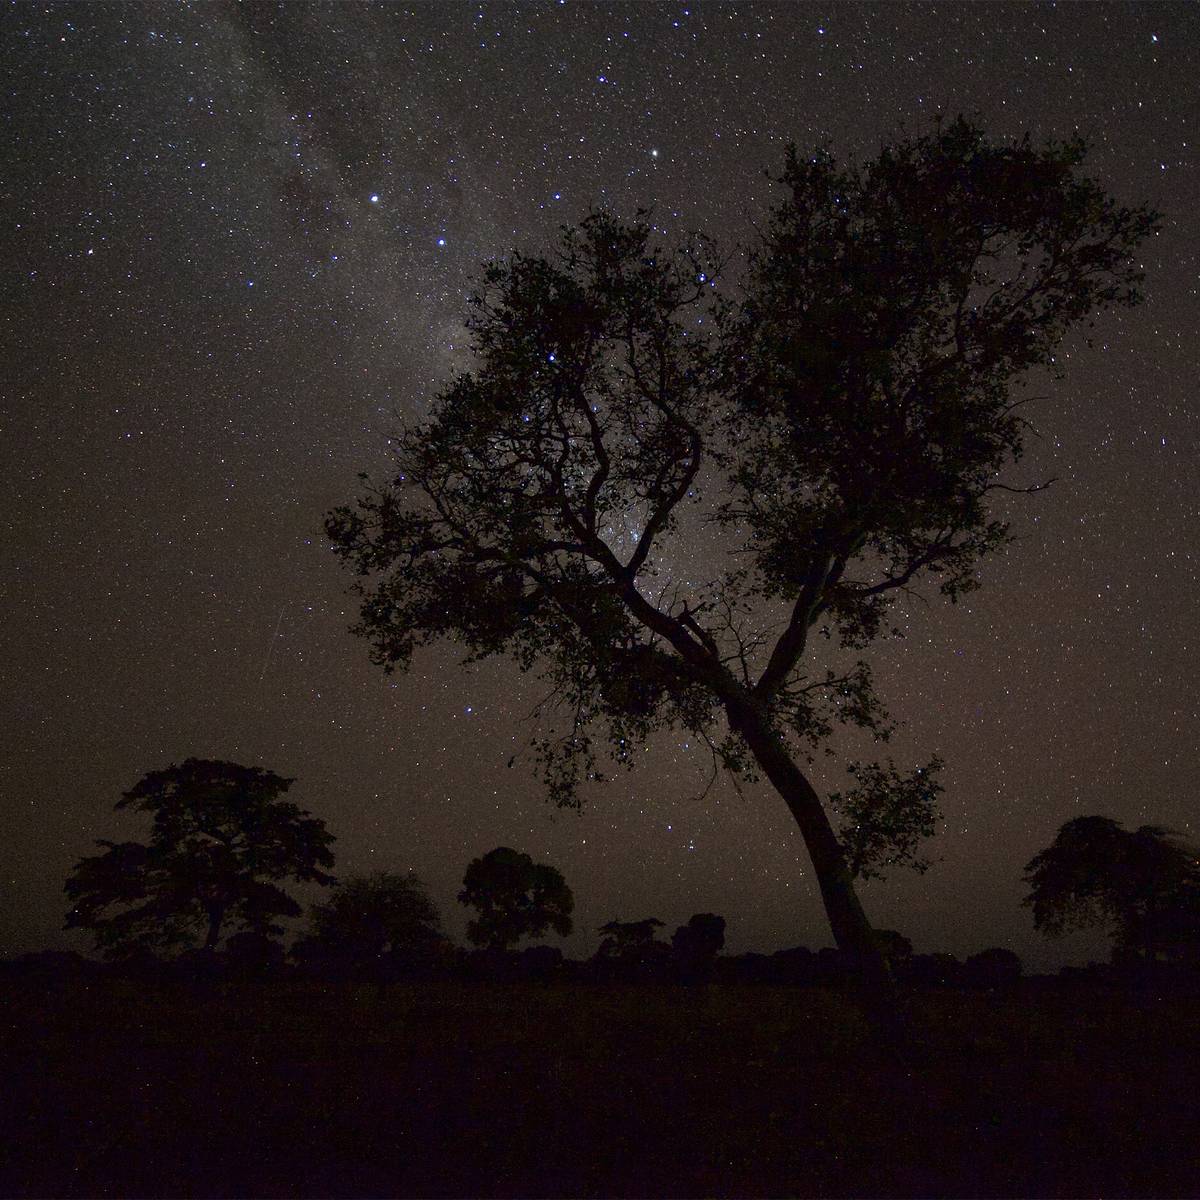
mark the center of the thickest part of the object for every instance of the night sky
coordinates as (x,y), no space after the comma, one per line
(236,245)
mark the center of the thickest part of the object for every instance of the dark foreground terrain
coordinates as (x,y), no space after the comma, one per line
(112,1088)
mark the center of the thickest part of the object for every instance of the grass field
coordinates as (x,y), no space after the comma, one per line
(118,1089)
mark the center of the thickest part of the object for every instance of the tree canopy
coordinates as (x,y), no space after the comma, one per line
(1140,886)
(831,428)
(695,946)
(369,917)
(515,898)
(222,841)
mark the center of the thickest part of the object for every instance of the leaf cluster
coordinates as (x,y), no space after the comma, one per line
(886,815)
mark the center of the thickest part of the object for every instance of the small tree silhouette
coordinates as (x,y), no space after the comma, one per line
(221,843)
(515,898)
(625,938)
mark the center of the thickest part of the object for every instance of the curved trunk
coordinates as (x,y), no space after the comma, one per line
(898,1024)
(851,929)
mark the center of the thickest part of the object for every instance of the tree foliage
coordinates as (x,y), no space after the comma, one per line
(995,967)
(630,951)
(221,843)
(702,937)
(515,898)
(623,939)
(829,433)
(695,947)
(895,946)
(886,816)
(369,917)
(1142,887)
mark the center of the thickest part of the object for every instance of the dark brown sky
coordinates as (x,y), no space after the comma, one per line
(236,241)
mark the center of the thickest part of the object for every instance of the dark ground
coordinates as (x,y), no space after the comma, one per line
(112,1088)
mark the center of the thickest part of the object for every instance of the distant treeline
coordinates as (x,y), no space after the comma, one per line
(995,969)
(204,897)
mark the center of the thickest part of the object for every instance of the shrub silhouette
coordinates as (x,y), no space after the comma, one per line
(254,954)
(992,968)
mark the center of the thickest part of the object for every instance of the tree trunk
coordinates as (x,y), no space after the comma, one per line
(851,929)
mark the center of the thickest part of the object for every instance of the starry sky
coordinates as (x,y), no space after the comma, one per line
(236,243)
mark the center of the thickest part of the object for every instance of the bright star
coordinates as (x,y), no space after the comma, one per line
(653,153)
(375,198)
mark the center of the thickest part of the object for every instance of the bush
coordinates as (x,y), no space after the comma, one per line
(992,968)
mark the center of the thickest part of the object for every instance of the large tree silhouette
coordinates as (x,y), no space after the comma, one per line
(221,843)
(654,491)
(1141,886)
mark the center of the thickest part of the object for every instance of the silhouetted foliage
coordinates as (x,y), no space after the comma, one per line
(48,966)
(843,421)
(541,962)
(885,817)
(620,936)
(515,898)
(695,947)
(897,949)
(379,923)
(222,841)
(993,968)
(933,970)
(1141,887)
(197,965)
(253,953)
(743,968)
(631,952)
(796,964)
